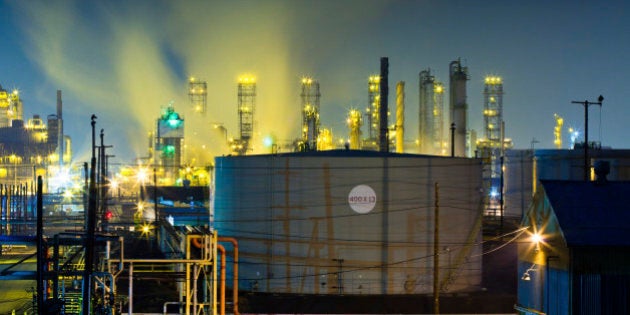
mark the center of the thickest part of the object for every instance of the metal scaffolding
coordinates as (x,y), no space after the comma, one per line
(372,111)
(431,117)
(310,112)
(198,94)
(246,109)
(354,122)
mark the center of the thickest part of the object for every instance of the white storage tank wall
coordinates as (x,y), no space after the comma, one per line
(297,232)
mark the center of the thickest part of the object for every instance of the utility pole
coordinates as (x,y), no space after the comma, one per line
(586,104)
(436,254)
(452,139)
(40,248)
(91,226)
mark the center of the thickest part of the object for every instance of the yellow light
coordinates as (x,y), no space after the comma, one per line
(142,175)
(146,229)
(247,79)
(536,238)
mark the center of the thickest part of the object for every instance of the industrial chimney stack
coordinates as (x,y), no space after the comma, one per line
(458,106)
(384,89)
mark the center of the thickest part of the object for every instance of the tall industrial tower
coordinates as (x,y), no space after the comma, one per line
(493,144)
(354,122)
(431,119)
(458,107)
(246,109)
(493,110)
(198,94)
(310,113)
(400,117)
(169,143)
(373,117)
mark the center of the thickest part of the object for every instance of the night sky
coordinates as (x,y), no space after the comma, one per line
(125,60)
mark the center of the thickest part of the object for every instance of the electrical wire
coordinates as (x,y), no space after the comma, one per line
(378,266)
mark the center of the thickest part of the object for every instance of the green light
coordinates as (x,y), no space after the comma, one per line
(174,123)
(168,151)
(172,118)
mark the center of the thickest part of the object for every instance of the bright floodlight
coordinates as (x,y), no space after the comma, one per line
(268,141)
(494,193)
(142,175)
(536,238)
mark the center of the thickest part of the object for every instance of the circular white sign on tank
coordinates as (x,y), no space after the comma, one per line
(362,199)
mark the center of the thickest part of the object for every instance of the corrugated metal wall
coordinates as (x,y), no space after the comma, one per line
(298,232)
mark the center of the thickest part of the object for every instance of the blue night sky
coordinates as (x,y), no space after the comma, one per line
(125,60)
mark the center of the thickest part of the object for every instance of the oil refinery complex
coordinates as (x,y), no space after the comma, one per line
(281,226)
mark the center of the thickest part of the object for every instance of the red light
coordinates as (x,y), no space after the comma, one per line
(108,215)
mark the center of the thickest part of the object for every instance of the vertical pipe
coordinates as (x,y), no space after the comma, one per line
(101,181)
(195,280)
(214,273)
(436,254)
(40,248)
(400,117)
(502,183)
(130,310)
(587,166)
(384,91)
(235,283)
(188,239)
(452,139)
(222,283)
(85,195)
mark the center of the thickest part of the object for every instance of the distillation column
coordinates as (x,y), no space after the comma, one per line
(431,115)
(310,113)
(372,110)
(400,117)
(458,107)
(354,125)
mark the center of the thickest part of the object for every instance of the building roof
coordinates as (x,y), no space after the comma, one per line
(350,153)
(591,213)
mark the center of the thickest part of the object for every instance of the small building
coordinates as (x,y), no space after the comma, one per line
(578,258)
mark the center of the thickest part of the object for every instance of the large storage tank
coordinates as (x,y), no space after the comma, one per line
(350,222)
